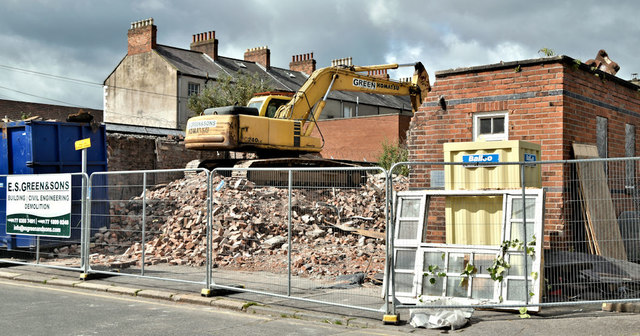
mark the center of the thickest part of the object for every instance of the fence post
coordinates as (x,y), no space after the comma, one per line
(38,249)
(289,234)
(524,238)
(144,217)
(391,315)
(85,220)
(209,238)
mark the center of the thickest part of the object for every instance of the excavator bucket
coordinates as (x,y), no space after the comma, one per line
(421,80)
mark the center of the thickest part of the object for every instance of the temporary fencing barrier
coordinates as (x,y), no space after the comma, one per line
(460,234)
(503,235)
(157,225)
(315,235)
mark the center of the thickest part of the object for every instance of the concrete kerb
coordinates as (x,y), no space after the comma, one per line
(190,298)
(8,275)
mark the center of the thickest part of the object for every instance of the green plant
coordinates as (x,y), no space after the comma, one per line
(393,153)
(576,64)
(25,115)
(523,312)
(433,272)
(518,68)
(466,273)
(249,304)
(546,52)
(227,91)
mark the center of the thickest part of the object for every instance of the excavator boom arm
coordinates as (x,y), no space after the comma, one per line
(341,78)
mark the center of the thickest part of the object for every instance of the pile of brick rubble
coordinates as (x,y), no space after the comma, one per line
(334,230)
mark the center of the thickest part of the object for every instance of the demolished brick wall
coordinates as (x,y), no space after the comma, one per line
(146,152)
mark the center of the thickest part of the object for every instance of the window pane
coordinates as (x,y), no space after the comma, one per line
(455,288)
(435,259)
(408,229)
(485,126)
(482,288)
(516,208)
(410,208)
(517,264)
(404,282)
(482,262)
(432,289)
(405,259)
(517,231)
(516,290)
(498,125)
(457,262)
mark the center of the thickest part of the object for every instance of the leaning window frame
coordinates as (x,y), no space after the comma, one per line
(490,137)
(499,292)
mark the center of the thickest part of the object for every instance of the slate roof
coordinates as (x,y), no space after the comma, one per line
(195,63)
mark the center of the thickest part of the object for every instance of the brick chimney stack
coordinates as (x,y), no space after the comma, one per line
(303,63)
(141,37)
(260,55)
(206,43)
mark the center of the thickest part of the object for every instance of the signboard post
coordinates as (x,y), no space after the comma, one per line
(39,205)
(82,145)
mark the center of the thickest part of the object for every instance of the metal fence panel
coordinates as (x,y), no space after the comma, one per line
(581,242)
(308,234)
(53,252)
(157,224)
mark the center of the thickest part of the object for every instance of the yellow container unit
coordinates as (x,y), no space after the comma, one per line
(476,220)
(474,177)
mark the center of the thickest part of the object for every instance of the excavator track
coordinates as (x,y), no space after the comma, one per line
(278,177)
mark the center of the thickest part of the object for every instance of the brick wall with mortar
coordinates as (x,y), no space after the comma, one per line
(361,138)
(553,102)
(141,37)
(137,152)
(260,55)
(303,62)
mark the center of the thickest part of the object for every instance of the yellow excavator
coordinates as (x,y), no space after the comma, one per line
(279,125)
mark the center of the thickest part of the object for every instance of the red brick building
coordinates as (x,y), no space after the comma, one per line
(553,101)
(361,138)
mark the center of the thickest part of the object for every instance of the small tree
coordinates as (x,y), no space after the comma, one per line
(391,154)
(227,91)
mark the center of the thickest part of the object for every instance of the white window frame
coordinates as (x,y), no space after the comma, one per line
(490,137)
(190,91)
(500,289)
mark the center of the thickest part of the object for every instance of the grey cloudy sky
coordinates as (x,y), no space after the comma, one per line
(83,41)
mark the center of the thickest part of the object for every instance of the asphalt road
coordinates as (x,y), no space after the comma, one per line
(31,309)
(37,309)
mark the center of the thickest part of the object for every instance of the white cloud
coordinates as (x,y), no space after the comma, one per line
(382,12)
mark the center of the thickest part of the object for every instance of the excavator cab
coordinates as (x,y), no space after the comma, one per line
(268,103)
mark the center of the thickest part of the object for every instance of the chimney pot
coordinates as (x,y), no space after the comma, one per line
(303,63)
(260,55)
(141,37)
(206,43)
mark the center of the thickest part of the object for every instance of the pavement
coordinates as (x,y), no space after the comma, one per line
(587,319)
